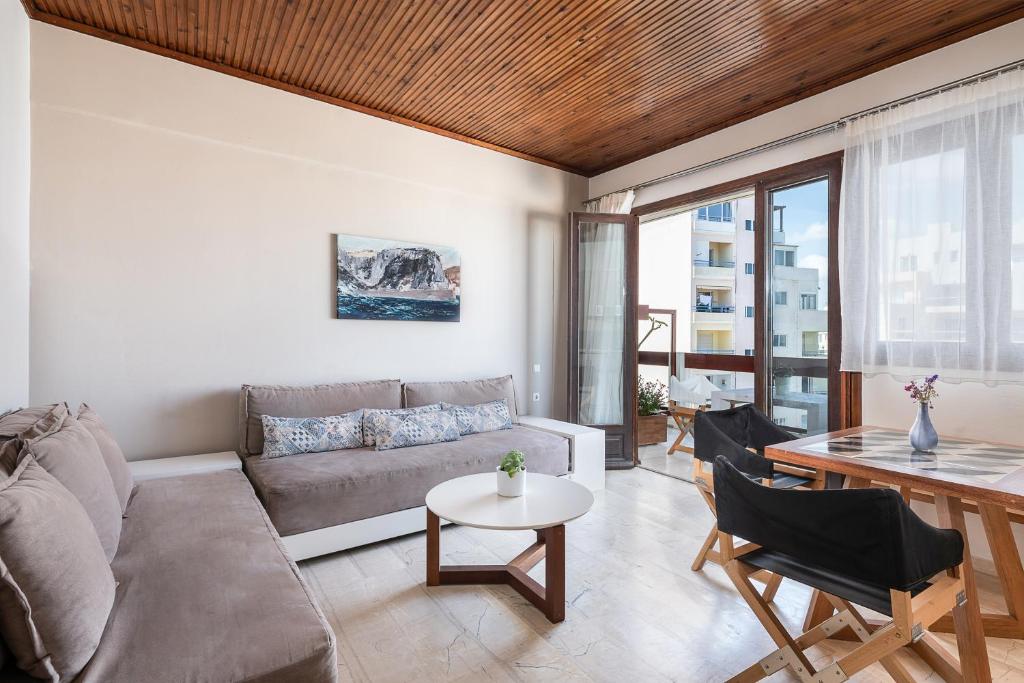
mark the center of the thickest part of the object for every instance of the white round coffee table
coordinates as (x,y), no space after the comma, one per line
(548,504)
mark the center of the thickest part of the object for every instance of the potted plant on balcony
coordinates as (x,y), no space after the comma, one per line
(652,427)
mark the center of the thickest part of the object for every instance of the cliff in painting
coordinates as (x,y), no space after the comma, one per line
(381,279)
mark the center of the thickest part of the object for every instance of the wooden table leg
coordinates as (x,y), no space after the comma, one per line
(1009,571)
(819,610)
(550,547)
(433,549)
(554,573)
(1006,557)
(970,636)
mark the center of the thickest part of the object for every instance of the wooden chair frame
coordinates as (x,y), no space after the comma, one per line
(911,616)
(683,416)
(702,477)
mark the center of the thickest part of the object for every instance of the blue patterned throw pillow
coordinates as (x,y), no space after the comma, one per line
(369,435)
(482,417)
(414,429)
(294,435)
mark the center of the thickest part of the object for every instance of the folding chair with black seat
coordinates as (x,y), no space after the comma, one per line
(741,434)
(856,546)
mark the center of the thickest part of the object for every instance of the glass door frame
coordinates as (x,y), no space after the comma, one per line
(845,387)
(829,167)
(620,440)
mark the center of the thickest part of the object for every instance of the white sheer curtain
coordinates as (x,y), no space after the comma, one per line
(602,322)
(932,236)
(615,202)
(602,310)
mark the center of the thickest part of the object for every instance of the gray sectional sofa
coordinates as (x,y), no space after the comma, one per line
(202,588)
(193,577)
(325,502)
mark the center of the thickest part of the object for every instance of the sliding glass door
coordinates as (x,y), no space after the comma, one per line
(755,260)
(801,300)
(602,330)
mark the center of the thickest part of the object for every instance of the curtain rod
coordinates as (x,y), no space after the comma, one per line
(827,127)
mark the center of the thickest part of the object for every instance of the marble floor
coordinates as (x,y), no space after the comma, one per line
(635,612)
(657,459)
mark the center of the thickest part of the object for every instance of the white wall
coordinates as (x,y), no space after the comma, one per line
(14,206)
(970,410)
(182,245)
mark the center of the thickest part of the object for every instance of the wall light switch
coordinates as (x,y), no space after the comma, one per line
(536,367)
(536,396)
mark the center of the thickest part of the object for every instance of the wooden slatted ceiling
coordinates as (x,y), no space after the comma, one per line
(583,85)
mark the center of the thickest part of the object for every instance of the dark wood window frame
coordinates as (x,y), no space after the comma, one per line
(846,411)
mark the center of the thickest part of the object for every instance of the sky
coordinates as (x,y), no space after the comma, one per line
(805,220)
(449,255)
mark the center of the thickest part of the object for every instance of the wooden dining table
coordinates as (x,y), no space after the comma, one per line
(960,475)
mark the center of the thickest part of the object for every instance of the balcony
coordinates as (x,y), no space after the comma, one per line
(714,308)
(714,263)
(721,352)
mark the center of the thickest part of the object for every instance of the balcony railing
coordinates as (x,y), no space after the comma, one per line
(723,352)
(714,308)
(815,353)
(714,263)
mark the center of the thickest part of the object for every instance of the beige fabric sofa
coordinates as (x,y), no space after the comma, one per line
(356,496)
(205,591)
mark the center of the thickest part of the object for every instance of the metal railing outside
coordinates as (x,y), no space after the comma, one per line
(713,308)
(714,263)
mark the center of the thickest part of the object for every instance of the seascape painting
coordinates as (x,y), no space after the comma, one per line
(382,279)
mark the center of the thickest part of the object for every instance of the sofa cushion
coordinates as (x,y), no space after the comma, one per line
(73,457)
(117,465)
(296,435)
(483,417)
(56,588)
(19,426)
(40,419)
(469,392)
(414,429)
(206,592)
(318,400)
(324,489)
(370,436)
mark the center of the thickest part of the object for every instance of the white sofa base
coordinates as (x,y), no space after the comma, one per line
(586,465)
(354,534)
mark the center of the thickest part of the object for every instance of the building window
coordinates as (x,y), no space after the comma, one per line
(748,268)
(718,213)
(781,298)
(748,352)
(750,225)
(908,264)
(778,340)
(749,311)
(784,257)
(808,302)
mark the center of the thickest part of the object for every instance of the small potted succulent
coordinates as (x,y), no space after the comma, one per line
(512,474)
(923,436)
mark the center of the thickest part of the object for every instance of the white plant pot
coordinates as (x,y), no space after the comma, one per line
(511,487)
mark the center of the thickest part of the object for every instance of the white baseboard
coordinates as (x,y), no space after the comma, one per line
(354,534)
